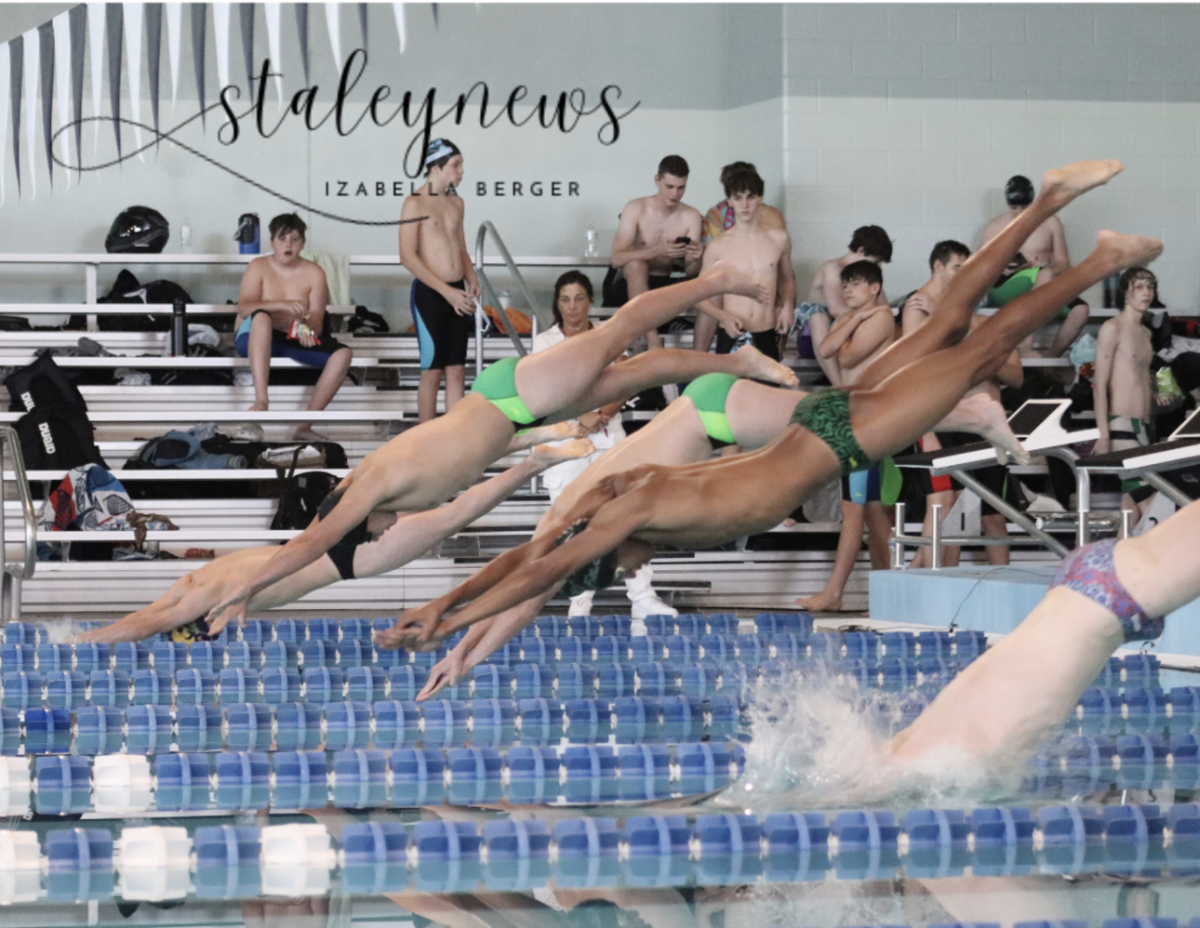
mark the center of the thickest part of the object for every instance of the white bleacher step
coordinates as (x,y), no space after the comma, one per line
(11,359)
(174,414)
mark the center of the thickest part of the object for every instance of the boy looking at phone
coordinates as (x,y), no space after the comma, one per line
(658,235)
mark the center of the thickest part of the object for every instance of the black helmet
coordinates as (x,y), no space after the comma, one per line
(139,229)
(1018,191)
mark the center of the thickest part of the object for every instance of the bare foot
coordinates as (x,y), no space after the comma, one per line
(979,413)
(735,280)
(305,433)
(1122,251)
(758,366)
(556,432)
(822,602)
(548,455)
(260,406)
(1062,185)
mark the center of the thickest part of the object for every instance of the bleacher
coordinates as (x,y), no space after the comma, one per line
(362,416)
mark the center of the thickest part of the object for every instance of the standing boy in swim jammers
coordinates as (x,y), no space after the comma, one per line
(658,234)
(854,341)
(1045,252)
(1123,386)
(281,313)
(944,262)
(825,306)
(763,251)
(445,288)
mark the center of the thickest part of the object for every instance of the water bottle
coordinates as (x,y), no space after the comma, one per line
(1110,291)
(591,251)
(247,234)
(185,236)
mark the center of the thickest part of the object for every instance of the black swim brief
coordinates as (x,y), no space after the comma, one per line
(766,341)
(441,332)
(342,553)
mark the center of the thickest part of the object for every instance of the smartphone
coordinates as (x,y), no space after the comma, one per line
(683,240)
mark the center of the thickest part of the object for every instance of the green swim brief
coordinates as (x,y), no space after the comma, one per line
(708,393)
(827,415)
(1017,285)
(497,383)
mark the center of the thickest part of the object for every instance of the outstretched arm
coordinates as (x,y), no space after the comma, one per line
(415,533)
(480,641)
(358,499)
(540,575)
(417,625)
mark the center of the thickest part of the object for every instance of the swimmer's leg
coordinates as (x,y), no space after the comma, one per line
(949,320)
(1065,337)
(704,332)
(258,350)
(637,282)
(669,365)
(550,380)
(912,401)
(1159,567)
(332,377)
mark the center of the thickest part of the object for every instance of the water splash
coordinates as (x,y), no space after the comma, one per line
(821,742)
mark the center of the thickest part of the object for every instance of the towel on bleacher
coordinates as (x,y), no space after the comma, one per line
(337,274)
(89,499)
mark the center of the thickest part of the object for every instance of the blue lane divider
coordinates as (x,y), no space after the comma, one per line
(231,861)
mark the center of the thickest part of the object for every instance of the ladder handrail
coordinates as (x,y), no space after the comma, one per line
(9,438)
(486,228)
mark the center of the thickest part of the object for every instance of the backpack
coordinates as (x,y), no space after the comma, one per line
(520,322)
(57,438)
(300,496)
(127,289)
(366,322)
(43,383)
(179,450)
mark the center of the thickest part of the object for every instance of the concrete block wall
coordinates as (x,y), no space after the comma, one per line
(912,116)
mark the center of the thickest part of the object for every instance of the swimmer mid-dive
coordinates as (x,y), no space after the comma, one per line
(997,711)
(980,732)
(381,542)
(617,524)
(714,412)
(426,465)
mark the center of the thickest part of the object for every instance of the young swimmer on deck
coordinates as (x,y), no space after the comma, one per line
(1124,382)
(426,465)
(381,542)
(444,287)
(834,432)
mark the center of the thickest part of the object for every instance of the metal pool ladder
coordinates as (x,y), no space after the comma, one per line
(15,571)
(488,293)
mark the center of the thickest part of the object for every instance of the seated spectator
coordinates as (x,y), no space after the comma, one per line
(281,314)
(824,305)
(656,236)
(1045,255)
